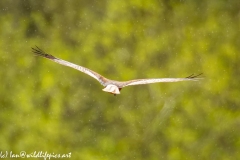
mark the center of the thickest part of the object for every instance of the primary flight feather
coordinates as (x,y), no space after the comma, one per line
(111,86)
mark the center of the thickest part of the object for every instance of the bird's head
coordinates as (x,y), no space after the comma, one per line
(112,89)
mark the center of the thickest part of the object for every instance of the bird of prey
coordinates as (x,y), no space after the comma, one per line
(111,86)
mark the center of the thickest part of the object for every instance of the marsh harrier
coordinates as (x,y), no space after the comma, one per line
(111,86)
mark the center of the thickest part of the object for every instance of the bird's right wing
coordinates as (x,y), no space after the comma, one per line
(157,80)
(87,71)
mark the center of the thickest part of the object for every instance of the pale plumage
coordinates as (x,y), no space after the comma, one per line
(112,86)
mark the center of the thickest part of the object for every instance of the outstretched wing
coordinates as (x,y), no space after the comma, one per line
(87,71)
(157,80)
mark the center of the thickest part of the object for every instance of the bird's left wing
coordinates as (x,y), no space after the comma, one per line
(157,80)
(87,71)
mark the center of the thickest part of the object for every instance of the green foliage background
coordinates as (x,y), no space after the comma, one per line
(48,107)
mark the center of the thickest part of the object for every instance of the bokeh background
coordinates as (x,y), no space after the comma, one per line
(48,107)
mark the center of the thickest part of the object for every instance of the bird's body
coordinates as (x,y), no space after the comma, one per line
(111,86)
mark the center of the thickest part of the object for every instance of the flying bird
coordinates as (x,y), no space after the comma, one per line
(111,86)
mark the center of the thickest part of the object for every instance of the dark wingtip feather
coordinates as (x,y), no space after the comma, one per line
(192,76)
(37,51)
